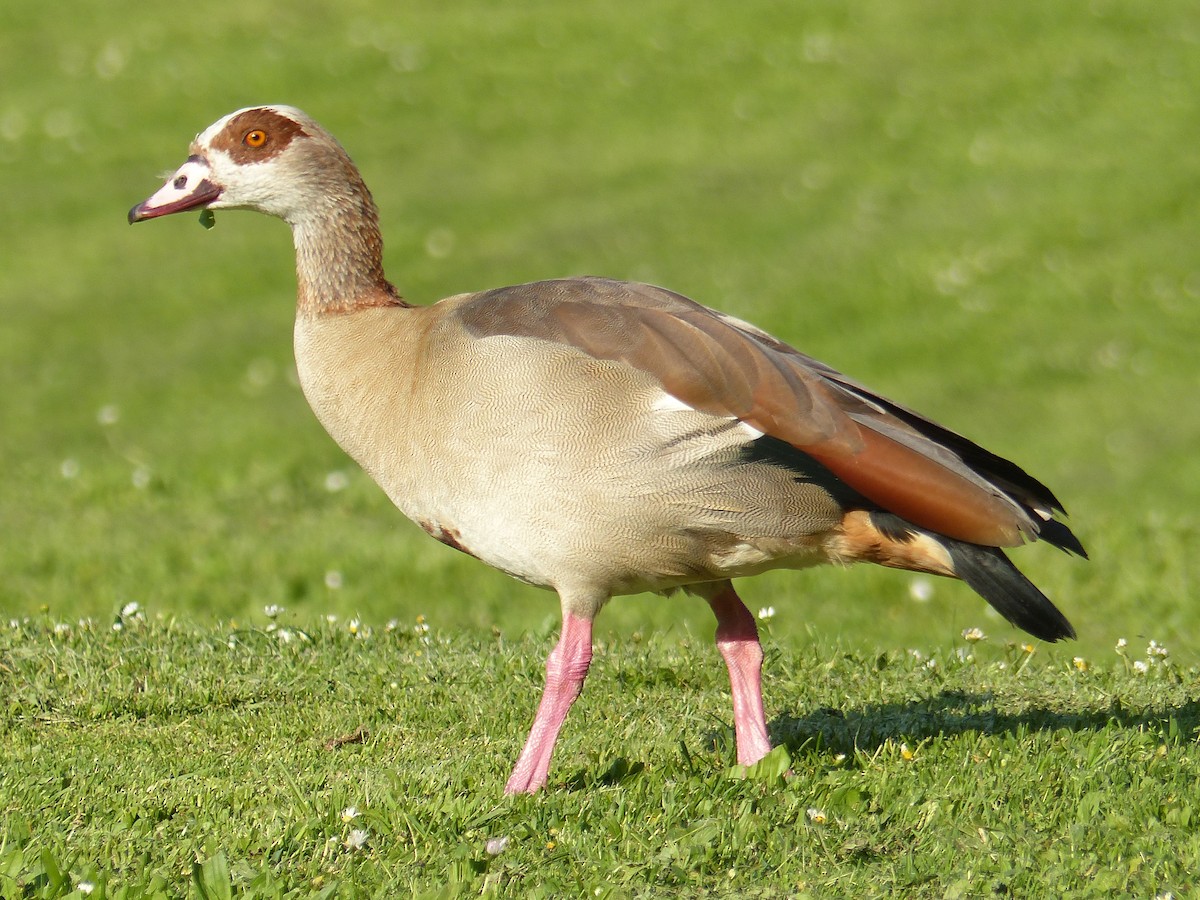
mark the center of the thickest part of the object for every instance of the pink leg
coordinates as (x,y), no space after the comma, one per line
(737,639)
(566,668)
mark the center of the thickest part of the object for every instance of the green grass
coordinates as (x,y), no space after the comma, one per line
(976,770)
(987,213)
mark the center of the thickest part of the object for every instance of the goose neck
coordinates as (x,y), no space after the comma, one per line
(339,257)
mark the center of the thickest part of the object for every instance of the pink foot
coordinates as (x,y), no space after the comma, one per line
(566,668)
(737,639)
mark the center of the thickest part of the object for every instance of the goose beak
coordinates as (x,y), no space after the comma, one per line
(188,188)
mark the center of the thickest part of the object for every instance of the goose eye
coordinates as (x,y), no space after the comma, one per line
(255,138)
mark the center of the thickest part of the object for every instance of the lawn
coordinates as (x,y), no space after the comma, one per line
(986,213)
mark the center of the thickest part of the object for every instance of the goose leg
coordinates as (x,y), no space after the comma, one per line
(737,639)
(566,668)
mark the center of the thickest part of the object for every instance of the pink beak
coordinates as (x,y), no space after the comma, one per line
(188,188)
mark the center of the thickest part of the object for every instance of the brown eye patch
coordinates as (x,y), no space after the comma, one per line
(257,135)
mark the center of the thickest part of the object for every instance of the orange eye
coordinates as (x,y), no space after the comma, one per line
(255,138)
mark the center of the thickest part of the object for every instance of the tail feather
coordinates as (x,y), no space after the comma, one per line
(1057,533)
(993,576)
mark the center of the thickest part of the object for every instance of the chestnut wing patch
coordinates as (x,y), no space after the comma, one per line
(895,458)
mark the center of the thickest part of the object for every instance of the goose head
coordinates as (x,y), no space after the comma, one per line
(276,160)
(272,159)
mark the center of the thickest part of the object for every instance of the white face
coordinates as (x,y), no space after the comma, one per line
(245,160)
(189,188)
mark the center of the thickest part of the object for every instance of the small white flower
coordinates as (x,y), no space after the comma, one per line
(392,625)
(1122,644)
(1141,666)
(767,612)
(421,630)
(69,468)
(130,609)
(495,846)
(259,374)
(285,635)
(140,478)
(931,664)
(439,243)
(349,814)
(336,481)
(357,839)
(85,887)
(1157,649)
(974,635)
(354,625)
(109,414)
(1079,663)
(333,580)
(61,629)
(921,589)
(816,816)
(331,618)
(272,610)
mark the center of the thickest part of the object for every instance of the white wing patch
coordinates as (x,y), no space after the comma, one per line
(665,402)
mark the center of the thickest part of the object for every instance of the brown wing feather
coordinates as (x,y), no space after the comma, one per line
(893,457)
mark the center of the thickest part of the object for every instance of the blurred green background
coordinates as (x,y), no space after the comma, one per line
(987,212)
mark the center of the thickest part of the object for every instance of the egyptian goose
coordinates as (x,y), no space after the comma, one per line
(599,437)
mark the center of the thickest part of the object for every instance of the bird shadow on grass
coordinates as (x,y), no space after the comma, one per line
(622,769)
(950,713)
